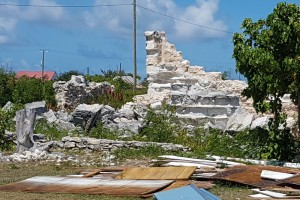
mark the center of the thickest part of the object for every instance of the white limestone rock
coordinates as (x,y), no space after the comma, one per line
(239,121)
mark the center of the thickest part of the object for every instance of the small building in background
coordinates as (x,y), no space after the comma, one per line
(130,80)
(48,75)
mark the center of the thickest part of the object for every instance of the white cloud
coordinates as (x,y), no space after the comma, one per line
(43,14)
(118,19)
(10,16)
(203,14)
(8,22)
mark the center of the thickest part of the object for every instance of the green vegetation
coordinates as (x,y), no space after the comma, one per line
(30,89)
(6,123)
(100,131)
(51,131)
(141,153)
(7,83)
(267,54)
(24,90)
(122,93)
(67,75)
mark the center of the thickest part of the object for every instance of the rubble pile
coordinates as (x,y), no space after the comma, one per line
(70,94)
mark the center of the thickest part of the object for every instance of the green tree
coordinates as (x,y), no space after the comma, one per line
(267,54)
(30,89)
(67,75)
(226,75)
(7,82)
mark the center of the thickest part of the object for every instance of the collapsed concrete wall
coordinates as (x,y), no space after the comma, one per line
(196,94)
(69,94)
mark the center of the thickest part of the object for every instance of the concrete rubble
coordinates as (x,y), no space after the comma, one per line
(198,96)
(201,98)
(78,90)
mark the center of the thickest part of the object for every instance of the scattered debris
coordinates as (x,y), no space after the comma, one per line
(87,186)
(275,175)
(169,160)
(157,173)
(251,175)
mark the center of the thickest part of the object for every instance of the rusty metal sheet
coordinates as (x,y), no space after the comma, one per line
(157,173)
(292,181)
(250,175)
(87,186)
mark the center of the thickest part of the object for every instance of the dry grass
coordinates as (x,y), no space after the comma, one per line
(12,172)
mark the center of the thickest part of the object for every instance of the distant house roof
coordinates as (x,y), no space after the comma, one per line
(130,80)
(48,75)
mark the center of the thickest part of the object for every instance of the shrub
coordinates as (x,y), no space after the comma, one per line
(6,123)
(100,131)
(67,75)
(51,131)
(160,127)
(7,83)
(30,89)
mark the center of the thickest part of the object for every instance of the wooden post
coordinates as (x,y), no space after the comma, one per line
(25,120)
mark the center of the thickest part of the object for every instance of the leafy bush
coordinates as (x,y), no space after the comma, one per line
(160,127)
(6,123)
(122,93)
(30,89)
(67,75)
(51,131)
(101,132)
(151,151)
(7,83)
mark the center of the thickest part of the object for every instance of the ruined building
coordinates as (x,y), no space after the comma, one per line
(198,96)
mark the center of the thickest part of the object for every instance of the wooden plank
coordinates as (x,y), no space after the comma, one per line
(259,196)
(286,190)
(87,186)
(268,174)
(269,193)
(157,173)
(202,161)
(185,164)
(275,195)
(94,172)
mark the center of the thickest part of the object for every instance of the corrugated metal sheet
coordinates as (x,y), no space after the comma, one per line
(250,175)
(158,173)
(130,80)
(87,186)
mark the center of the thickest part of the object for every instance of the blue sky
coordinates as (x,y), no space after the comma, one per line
(100,37)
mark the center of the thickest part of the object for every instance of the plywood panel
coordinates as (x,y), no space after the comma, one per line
(157,173)
(87,186)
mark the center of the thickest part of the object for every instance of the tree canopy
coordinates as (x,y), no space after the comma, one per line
(267,54)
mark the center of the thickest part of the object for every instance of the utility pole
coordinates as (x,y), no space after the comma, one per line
(43,68)
(88,71)
(134,47)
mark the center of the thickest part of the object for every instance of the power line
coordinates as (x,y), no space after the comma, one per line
(184,21)
(114,5)
(64,6)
